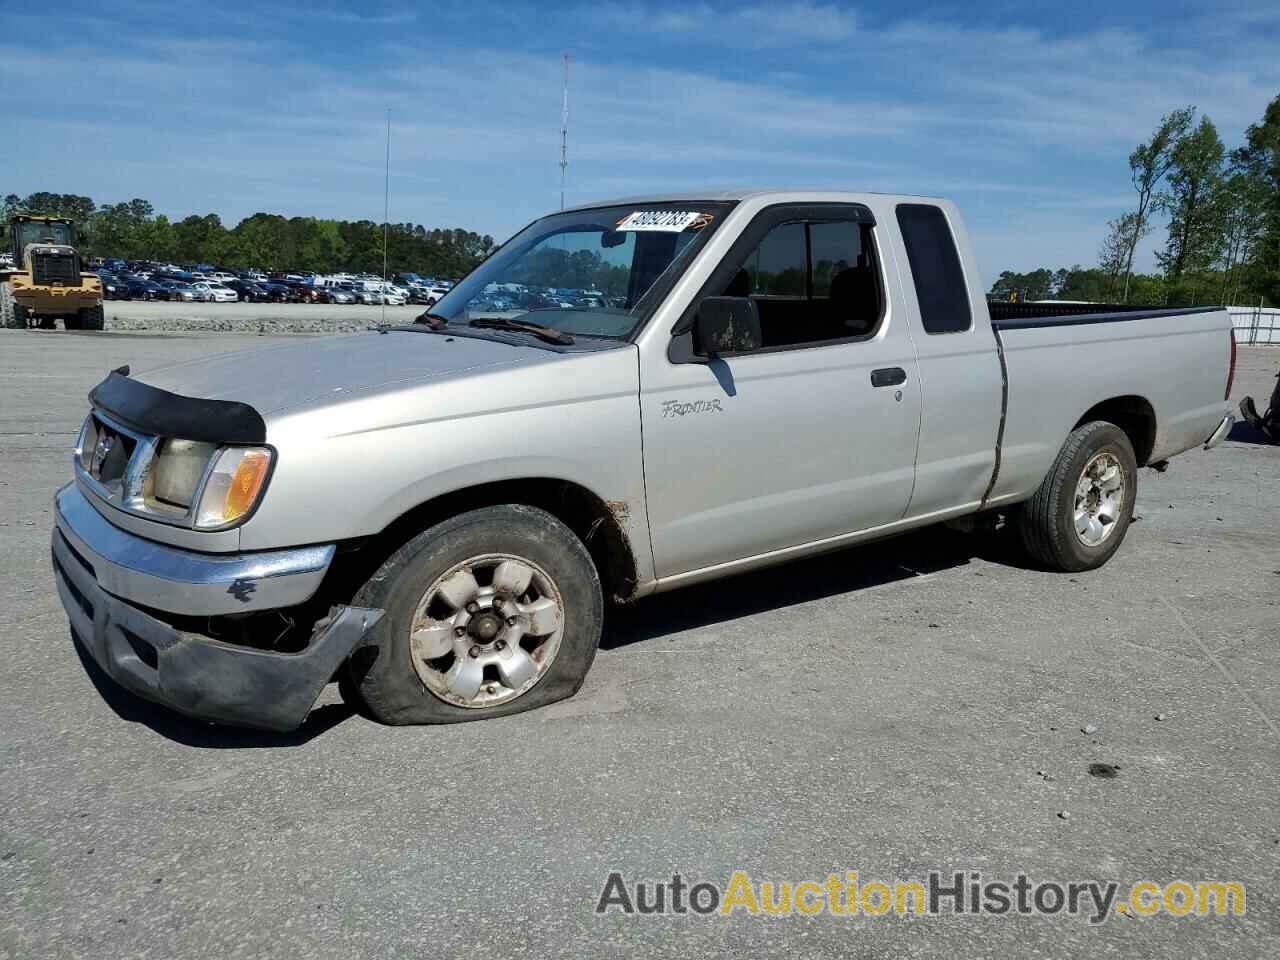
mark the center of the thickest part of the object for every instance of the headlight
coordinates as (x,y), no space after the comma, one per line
(175,476)
(88,440)
(235,483)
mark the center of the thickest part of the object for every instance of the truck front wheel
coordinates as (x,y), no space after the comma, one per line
(1079,515)
(488,613)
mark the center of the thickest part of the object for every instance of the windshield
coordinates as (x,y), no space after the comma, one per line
(597,273)
(39,231)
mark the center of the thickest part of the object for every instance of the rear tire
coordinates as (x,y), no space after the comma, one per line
(1079,515)
(90,318)
(433,677)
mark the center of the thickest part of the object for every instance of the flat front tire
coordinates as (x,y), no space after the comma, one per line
(1079,515)
(492,612)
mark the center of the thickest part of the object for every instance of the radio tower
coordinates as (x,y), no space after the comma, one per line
(564,131)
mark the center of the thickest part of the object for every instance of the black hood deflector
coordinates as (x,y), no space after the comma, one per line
(161,413)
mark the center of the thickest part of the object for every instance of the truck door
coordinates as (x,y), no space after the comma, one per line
(960,377)
(810,437)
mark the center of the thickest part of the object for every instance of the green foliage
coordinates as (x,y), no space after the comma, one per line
(1065,283)
(1194,204)
(580,269)
(1223,237)
(1148,164)
(133,231)
(1259,161)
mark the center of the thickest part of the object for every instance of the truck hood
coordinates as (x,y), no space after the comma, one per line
(332,369)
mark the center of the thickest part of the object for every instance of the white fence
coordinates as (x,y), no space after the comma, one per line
(1256,324)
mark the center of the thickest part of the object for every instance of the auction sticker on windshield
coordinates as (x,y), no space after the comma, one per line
(669,221)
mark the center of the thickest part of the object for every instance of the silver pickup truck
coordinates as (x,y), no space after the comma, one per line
(626,398)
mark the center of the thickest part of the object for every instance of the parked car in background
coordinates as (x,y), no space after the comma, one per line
(215,292)
(248,291)
(276,292)
(141,288)
(390,295)
(306,293)
(113,288)
(180,291)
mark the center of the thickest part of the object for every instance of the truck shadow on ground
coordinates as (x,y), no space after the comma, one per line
(905,557)
(197,733)
(1244,432)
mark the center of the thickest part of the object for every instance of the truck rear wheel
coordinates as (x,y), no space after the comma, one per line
(90,318)
(492,612)
(1079,515)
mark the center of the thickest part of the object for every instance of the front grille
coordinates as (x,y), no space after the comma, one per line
(48,269)
(111,453)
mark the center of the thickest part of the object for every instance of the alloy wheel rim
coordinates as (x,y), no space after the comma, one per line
(486,630)
(1100,494)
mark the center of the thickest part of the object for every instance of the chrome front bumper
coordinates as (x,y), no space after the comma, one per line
(182,581)
(101,572)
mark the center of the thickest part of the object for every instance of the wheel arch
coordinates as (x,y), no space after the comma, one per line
(599,523)
(1132,414)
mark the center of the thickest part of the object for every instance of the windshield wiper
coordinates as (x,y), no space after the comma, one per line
(548,334)
(433,320)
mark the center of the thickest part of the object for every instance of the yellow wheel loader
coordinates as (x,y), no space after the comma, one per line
(45,283)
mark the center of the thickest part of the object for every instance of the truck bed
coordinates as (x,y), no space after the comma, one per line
(1017,316)
(1059,361)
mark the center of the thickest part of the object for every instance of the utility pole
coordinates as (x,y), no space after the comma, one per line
(564,131)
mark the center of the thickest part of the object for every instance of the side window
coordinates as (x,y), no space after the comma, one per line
(777,266)
(812,282)
(835,248)
(935,268)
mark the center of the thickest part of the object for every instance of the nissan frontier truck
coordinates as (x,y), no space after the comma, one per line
(435,514)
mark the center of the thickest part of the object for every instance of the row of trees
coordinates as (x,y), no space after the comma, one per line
(134,231)
(1221,211)
(579,269)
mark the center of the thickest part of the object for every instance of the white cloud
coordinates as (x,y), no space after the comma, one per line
(762,25)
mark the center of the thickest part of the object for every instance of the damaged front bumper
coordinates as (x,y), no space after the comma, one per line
(99,569)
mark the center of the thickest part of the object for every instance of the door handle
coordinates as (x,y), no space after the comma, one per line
(888,377)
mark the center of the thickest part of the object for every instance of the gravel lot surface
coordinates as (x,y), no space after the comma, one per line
(893,709)
(251,317)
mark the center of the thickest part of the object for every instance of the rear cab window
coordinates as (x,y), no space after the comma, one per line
(935,268)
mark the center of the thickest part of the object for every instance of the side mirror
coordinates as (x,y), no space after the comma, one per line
(726,325)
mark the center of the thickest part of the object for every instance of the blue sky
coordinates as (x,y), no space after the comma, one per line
(1023,113)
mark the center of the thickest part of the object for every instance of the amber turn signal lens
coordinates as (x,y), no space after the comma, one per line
(234,485)
(246,484)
